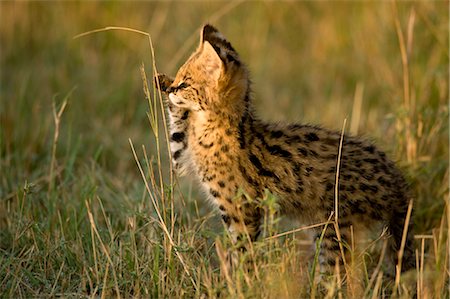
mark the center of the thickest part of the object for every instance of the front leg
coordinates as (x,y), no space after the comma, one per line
(178,125)
(243,225)
(242,221)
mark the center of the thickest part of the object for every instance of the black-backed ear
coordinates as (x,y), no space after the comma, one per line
(223,48)
(208,33)
(162,82)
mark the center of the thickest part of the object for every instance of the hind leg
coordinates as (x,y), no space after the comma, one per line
(334,248)
(340,255)
(397,229)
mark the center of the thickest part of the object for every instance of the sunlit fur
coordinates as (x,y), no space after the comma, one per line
(216,136)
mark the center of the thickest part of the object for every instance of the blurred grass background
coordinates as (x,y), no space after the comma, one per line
(309,62)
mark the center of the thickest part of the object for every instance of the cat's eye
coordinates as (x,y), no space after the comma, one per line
(182,85)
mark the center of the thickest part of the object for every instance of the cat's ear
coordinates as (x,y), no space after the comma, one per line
(209,33)
(162,82)
(215,46)
(220,44)
(211,61)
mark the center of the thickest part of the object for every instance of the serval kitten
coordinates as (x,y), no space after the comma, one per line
(215,135)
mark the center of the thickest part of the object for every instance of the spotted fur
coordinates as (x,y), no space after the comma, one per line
(215,135)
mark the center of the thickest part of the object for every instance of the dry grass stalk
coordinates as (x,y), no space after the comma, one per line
(103,247)
(402,247)
(57,120)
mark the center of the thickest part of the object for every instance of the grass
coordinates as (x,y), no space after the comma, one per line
(84,214)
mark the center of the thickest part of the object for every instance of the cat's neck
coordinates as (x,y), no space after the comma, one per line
(214,130)
(225,118)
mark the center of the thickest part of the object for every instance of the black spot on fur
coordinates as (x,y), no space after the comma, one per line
(356,209)
(214,193)
(286,189)
(278,151)
(368,176)
(262,139)
(312,137)
(302,151)
(248,221)
(330,186)
(371,160)
(206,145)
(185,115)
(226,219)
(177,155)
(298,205)
(370,149)
(241,131)
(209,178)
(384,182)
(296,169)
(347,177)
(349,188)
(313,153)
(258,165)
(246,175)
(225,148)
(385,169)
(373,189)
(178,136)
(364,187)
(309,169)
(228,132)
(221,184)
(276,134)
(377,211)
